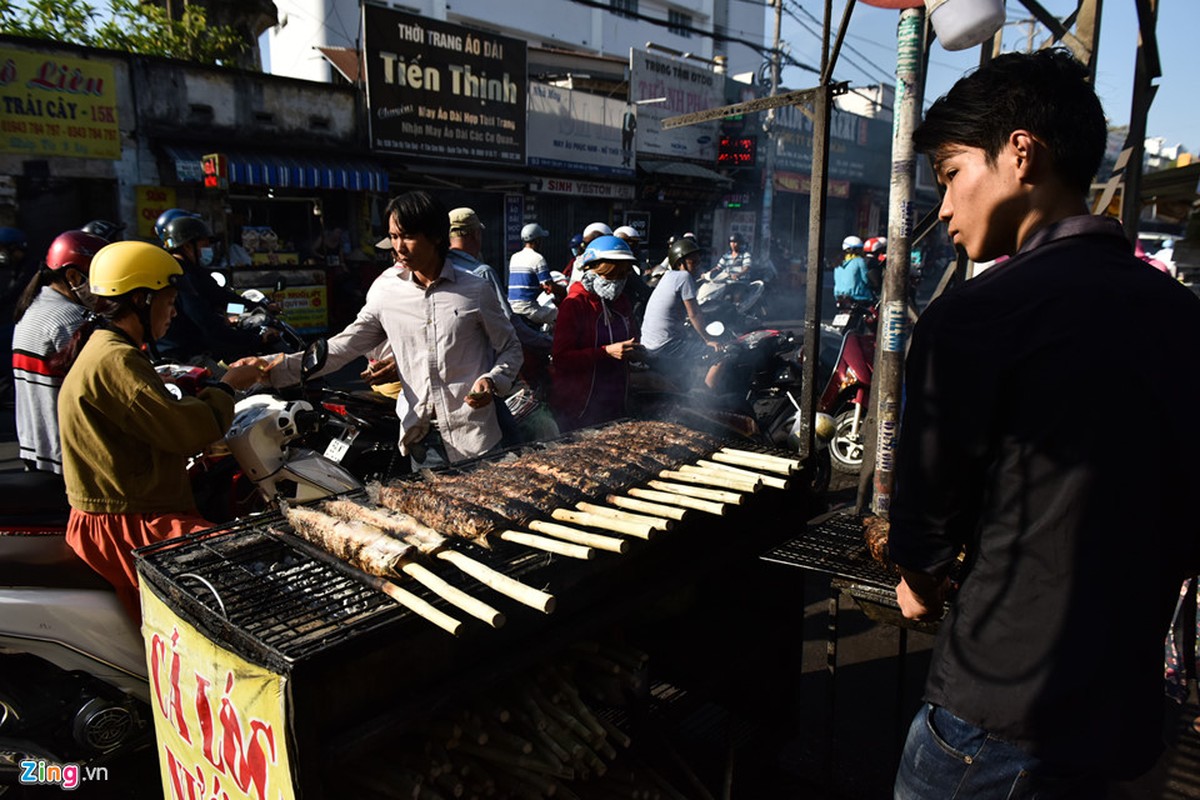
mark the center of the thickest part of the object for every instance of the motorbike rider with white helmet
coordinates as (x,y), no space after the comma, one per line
(851,284)
(55,303)
(125,438)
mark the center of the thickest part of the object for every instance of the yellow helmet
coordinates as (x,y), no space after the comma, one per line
(121,267)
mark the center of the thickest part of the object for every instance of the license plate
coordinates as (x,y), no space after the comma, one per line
(337,450)
(841,320)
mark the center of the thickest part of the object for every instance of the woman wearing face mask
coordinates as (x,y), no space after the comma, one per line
(201,333)
(53,306)
(595,337)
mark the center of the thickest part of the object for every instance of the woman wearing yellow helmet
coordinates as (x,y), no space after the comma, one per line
(125,439)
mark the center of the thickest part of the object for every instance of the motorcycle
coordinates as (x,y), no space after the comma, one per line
(73,681)
(736,303)
(843,403)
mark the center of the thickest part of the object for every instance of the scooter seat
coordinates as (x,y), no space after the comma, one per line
(27,493)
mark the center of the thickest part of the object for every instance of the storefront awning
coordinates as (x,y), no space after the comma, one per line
(281,171)
(683,169)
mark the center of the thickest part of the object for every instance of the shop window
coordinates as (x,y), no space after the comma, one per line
(679,23)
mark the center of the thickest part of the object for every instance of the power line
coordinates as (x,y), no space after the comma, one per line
(889,75)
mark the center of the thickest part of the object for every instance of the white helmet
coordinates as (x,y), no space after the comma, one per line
(533,231)
(627,232)
(852,243)
(596,229)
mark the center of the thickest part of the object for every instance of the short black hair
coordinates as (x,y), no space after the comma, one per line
(1047,93)
(421,212)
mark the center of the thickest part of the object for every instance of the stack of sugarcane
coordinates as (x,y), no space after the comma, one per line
(547,734)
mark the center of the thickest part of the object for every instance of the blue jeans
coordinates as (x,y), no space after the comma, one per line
(946,758)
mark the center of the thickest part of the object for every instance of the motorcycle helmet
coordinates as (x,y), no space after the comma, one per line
(108,231)
(74,249)
(852,243)
(607,248)
(184,229)
(532,232)
(596,229)
(681,249)
(160,224)
(13,237)
(628,232)
(876,244)
(121,267)
(736,238)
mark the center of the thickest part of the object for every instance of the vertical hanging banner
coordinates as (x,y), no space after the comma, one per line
(663,87)
(52,105)
(442,90)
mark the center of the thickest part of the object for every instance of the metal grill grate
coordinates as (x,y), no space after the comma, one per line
(835,546)
(273,601)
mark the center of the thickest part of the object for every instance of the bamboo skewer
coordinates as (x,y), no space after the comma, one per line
(684,501)
(452,594)
(716,495)
(417,605)
(767,480)
(744,479)
(646,507)
(610,543)
(534,598)
(704,478)
(658,523)
(548,544)
(638,529)
(764,460)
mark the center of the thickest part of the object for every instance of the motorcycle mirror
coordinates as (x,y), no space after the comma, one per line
(218,278)
(715,328)
(314,358)
(280,283)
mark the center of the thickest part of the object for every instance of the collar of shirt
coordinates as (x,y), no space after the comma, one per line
(461,258)
(1080,225)
(405,274)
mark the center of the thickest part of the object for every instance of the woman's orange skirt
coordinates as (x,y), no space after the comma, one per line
(107,541)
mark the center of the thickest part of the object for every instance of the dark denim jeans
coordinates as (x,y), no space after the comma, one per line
(946,758)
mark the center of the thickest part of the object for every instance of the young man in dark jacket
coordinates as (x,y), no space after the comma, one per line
(1046,678)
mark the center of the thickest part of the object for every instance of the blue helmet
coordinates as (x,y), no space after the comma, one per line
(13,237)
(607,248)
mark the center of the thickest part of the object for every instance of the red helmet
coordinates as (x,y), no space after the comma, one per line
(875,244)
(73,249)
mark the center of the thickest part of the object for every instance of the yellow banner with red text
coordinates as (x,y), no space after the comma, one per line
(56,105)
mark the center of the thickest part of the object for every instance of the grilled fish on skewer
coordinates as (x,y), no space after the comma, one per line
(441,512)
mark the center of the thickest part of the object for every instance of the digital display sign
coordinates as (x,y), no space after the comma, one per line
(737,151)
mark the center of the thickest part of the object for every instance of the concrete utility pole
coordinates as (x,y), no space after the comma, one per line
(768,196)
(893,323)
(1148,70)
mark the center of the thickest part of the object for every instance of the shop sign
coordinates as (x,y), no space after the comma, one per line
(58,106)
(219,721)
(305,308)
(798,183)
(860,148)
(662,87)
(149,203)
(514,220)
(578,188)
(442,90)
(640,222)
(216,171)
(577,131)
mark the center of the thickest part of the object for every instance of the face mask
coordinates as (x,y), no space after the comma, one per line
(206,256)
(83,293)
(607,288)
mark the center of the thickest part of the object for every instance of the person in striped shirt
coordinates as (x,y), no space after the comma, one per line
(54,304)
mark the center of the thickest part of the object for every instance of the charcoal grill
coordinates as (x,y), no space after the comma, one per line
(361,668)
